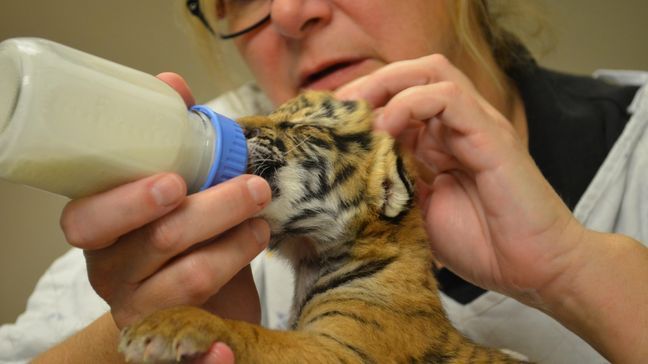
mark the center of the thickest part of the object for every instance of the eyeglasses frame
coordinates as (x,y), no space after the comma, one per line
(194,8)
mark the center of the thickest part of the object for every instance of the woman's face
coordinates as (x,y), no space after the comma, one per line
(323,44)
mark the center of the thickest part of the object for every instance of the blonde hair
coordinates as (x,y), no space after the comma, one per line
(504,26)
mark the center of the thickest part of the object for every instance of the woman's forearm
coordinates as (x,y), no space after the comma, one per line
(97,343)
(604,299)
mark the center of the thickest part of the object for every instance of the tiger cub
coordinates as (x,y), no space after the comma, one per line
(344,217)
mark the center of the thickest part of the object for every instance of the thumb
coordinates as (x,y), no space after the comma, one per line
(180,85)
(219,353)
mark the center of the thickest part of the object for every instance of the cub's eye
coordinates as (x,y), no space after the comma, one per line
(251,132)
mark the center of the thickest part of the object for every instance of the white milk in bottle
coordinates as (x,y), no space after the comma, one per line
(75,124)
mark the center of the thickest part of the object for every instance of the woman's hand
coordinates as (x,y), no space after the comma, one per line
(490,214)
(149,246)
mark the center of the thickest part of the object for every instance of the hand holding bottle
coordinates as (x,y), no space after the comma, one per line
(99,132)
(150,246)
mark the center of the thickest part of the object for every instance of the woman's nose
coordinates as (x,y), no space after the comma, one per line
(296,18)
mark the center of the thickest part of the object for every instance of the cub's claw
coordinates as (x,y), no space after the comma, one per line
(171,335)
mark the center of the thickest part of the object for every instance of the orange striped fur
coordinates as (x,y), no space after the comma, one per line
(343,216)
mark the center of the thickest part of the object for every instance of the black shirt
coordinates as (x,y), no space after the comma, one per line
(573,121)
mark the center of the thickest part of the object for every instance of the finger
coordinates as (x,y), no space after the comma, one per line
(201,217)
(420,103)
(227,302)
(413,125)
(478,136)
(379,87)
(408,139)
(352,90)
(192,278)
(432,152)
(180,85)
(219,353)
(96,221)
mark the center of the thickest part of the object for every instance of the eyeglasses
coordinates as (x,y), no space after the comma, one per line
(234,17)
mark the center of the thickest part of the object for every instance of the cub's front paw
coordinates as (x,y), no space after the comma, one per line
(171,335)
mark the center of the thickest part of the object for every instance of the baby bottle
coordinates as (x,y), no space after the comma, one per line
(75,124)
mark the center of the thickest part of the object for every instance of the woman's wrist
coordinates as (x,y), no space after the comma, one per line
(97,343)
(602,297)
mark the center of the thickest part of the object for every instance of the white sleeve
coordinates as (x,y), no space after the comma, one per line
(274,280)
(62,303)
(243,101)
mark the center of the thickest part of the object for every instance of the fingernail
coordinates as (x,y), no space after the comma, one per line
(166,190)
(261,231)
(259,190)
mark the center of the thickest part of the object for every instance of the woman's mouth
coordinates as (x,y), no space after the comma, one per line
(334,75)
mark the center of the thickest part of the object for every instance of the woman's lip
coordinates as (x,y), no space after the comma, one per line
(339,77)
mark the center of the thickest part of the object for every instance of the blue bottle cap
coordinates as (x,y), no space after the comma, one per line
(230,148)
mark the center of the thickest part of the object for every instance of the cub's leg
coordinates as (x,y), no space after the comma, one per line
(180,333)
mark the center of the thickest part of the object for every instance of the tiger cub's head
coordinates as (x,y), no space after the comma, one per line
(330,174)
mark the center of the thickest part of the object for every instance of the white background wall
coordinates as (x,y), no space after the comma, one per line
(146,35)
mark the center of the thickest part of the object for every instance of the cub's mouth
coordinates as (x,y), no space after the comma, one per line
(264,160)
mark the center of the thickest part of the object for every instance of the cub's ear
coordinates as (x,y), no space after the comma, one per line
(398,191)
(391,180)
